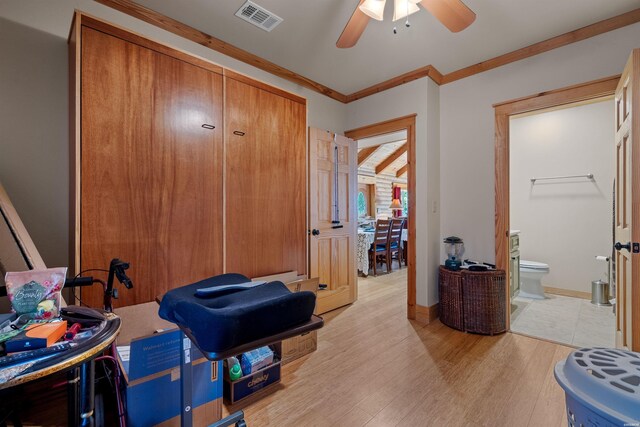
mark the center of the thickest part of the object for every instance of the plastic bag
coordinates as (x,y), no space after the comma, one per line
(36,291)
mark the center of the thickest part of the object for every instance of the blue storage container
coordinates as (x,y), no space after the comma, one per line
(602,387)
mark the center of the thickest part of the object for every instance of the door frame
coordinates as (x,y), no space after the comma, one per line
(407,123)
(503,111)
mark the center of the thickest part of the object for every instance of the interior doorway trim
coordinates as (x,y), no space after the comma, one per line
(407,123)
(503,111)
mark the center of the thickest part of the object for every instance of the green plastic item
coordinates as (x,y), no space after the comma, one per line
(235,371)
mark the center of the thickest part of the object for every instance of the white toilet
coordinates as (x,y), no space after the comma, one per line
(531,274)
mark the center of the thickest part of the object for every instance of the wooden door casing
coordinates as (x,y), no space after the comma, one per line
(627,202)
(148,189)
(333,250)
(265,182)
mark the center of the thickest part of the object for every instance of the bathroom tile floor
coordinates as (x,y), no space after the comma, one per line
(567,320)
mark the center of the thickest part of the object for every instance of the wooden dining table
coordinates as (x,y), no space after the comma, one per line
(365,240)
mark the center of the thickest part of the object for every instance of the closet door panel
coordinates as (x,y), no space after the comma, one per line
(188,179)
(150,173)
(265,182)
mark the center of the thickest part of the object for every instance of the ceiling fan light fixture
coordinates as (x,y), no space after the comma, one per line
(404,8)
(373,8)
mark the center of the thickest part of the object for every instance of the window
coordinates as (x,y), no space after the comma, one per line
(404,197)
(362,205)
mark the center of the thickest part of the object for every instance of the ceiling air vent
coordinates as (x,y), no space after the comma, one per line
(258,16)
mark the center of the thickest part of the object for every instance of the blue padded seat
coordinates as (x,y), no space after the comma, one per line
(229,320)
(384,247)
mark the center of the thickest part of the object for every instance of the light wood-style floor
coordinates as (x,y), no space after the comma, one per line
(373,367)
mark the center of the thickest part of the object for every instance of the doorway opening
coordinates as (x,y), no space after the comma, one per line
(385,202)
(550,188)
(382,215)
(561,223)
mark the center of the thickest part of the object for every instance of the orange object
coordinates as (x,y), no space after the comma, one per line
(38,335)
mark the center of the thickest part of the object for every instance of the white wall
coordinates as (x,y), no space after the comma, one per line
(419,97)
(467,126)
(564,223)
(34,161)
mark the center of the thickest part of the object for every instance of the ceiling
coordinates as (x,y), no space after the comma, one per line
(305,41)
(368,167)
(382,139)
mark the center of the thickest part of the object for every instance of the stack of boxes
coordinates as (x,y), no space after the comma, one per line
(149,357)
(268,377)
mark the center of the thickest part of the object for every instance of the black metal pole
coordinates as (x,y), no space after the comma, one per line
(73,398)
(87,393)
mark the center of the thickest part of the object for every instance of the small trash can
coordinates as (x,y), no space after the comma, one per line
(602,387)
(600,293)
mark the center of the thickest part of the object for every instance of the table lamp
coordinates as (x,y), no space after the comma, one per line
(396,205)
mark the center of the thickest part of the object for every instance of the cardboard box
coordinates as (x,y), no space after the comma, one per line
(261,380)
(298,285)
(152,371)
(296,347)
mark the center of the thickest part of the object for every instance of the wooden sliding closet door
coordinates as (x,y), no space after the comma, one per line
(151,188)
(265,181)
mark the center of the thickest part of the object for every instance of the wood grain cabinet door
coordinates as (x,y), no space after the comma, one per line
(151,187)
(265,182)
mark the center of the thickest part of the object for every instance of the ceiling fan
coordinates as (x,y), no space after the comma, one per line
(453,14)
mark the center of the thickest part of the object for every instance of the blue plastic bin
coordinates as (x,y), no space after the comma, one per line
(602,387)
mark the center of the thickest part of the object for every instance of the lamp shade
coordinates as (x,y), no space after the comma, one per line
(395,205)
(403,8)
(373,8)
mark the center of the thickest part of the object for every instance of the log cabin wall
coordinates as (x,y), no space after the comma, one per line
(179,167)
(384,180)
(384,192)
(383,183)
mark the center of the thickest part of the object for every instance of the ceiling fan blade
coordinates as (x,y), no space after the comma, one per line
(453,14)
(354,28)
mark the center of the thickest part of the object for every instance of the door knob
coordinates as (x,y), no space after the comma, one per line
(620,246)
(315,232)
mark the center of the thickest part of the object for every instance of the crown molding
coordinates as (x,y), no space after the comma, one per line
(183,30)
(580,34)
(169,24)
(426,71)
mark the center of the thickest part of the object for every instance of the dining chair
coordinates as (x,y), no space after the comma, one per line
(380,243)
(395,242)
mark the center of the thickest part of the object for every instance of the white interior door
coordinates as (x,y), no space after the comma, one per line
(627,200)
(333,217)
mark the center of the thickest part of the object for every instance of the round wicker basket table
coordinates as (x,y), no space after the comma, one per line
(473,301)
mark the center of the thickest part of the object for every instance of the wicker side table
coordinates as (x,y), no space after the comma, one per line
(450,306)
(484,301)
